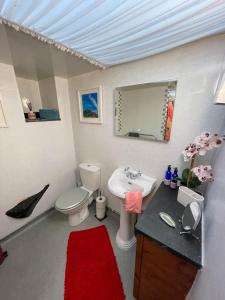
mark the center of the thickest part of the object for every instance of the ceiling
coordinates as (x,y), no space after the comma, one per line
(36,60)
(117,31)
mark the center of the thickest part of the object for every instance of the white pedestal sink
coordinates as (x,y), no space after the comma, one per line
(119,184)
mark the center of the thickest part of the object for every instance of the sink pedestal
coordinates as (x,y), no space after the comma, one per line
(120,183)
(125,237)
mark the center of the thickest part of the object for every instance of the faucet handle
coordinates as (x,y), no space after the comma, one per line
(139,173)
(126,169)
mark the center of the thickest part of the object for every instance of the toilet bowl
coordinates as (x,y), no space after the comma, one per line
(74,202)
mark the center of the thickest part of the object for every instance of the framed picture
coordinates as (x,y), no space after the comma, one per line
(2,116)
(90,105)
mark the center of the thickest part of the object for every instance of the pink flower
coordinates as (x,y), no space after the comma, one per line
(202,143)
(190,151)
(216,141)
(203,173)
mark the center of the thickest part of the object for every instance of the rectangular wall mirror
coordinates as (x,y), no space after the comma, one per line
(145,111)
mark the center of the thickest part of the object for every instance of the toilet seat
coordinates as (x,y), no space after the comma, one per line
(71,199)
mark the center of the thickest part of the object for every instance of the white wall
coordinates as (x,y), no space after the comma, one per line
(30,89)
(47,88)
(196,68)
(210,283)
(32,154)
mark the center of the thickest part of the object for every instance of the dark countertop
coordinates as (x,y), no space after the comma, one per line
(151,225)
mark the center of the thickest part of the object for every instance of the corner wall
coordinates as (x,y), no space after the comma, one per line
(210,282)
(195,66)
(32,154)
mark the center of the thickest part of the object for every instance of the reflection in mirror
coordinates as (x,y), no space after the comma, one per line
(191,217)
(145,111)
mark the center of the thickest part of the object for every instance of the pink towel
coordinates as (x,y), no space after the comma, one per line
(133,202)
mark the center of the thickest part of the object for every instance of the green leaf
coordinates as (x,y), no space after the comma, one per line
(195,181)
(185,175)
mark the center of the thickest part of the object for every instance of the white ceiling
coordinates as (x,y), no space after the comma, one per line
(118,31)
(37,60)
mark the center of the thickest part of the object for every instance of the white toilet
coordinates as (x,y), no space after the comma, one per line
(75,201)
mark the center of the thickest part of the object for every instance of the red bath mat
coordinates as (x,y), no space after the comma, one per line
(91,269)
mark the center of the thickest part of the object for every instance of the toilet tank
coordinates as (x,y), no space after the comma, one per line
(90,176)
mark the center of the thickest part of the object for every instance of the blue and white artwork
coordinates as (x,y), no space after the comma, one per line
(90,105)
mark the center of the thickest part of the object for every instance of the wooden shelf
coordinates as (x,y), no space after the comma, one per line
(40,120)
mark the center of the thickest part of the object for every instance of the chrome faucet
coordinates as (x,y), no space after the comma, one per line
(126,169)
(135,175)
(132,175)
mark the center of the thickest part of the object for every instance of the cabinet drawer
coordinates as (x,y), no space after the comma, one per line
(163,275)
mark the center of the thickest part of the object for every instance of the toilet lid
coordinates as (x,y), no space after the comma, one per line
(71,198)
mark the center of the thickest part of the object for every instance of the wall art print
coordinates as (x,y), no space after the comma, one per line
(90,105)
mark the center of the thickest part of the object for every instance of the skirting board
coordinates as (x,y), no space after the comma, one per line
(33,222)
(28,225)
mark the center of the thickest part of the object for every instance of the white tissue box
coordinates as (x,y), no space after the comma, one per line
(186,196)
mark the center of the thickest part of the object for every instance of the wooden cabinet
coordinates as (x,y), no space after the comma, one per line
(160,274)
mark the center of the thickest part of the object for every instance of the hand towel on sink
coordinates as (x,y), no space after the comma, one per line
(133,202)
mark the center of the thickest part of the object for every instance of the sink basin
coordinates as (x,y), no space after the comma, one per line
(119,184)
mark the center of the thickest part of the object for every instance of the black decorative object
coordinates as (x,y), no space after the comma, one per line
(134,134)
(25,208)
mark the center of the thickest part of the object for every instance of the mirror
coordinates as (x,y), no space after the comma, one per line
(191,216)
(145,111)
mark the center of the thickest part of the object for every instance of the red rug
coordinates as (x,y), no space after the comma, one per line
(91,269)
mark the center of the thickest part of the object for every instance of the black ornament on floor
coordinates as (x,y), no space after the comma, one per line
(25,208)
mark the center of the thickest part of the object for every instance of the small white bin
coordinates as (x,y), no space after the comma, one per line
(186,196)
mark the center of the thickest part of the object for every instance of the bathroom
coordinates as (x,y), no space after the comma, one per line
(34,154)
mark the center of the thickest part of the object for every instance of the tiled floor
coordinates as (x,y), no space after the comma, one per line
(34,269)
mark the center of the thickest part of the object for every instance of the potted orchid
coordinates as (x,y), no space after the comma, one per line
(194,176)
